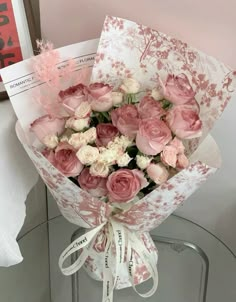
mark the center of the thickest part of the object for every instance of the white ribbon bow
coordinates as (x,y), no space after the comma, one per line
(122,237)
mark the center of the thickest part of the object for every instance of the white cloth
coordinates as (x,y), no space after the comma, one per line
(17,177)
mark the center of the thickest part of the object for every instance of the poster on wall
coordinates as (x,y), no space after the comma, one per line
(15,39)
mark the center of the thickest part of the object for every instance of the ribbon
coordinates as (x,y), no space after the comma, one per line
(126,244)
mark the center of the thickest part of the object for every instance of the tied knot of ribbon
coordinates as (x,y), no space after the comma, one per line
(126,242)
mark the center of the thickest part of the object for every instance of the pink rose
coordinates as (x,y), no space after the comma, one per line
(100,96)
(152,136)
(148,108)
(124,184)
(105,134)
(169,156)
(72,97)
(158,173)
(177,143)
(193,104)
(126,119)
(177,89)
(182,162)
(184,122)
(50,155)
(66,160)
(95,185)
(47,125)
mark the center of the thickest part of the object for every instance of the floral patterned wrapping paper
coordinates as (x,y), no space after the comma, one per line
(129,49)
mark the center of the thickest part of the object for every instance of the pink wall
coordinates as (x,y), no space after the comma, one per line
(207,24)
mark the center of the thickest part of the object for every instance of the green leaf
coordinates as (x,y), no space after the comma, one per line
(132,164)
(149,188)
(132,151)
(166,104)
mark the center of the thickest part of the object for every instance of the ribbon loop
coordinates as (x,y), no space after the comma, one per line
(77,245)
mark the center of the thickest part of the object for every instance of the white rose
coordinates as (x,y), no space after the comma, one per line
(157,94)
(83,110)
(130,85)
(117,97)
(77,124)
(108,156)
(124,141)
(87,155)
(120,143)
(90,135)
(99,169)
(123,160)
(77,140)
(50,141)
(143,161)
(116,150)
(64,138)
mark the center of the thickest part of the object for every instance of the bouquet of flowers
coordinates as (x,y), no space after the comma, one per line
(120,143)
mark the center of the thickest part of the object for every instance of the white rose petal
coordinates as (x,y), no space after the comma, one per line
(64,138)
(90,135)
(117,97)
(108,156)
(157,94)
(87,155)
(50,141)
(130,85)
(143,161)
(77,140)
(123,160)
(99,169)
(77,124)
(83,110)
(120,143)
(125,141)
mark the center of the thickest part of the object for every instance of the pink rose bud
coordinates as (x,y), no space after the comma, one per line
(169,156)
(177,89)
(184,122)
(72,97)
(105,134)
(47,125)
(95,185)
(100,96)
(177,143)
(124,184)
(66,160)
(158,173)
(126,119)
(148,108)
(182,162)
(152,136)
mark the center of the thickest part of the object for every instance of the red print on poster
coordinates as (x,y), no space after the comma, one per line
(10,50)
